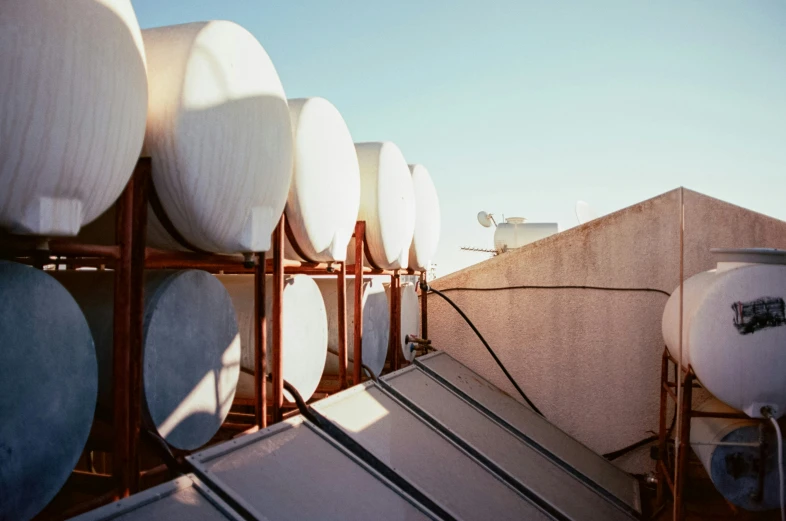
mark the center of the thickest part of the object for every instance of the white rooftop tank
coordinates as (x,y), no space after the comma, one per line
(734,328)
(515,232)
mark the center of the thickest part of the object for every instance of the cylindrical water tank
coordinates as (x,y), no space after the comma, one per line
(304,331)
(734,469)
(410,317)
(734,329)
(387,205)
(219,135)
(427,219)
(48,386)
(515,232)
(190,349)
(74,111)
(325,193)
(376,323)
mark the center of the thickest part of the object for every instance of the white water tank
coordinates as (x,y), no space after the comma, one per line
(376,323)
(219,135)
(73,102)
(304,331)
(325,193)
(726,449)
(734,329)
(190,349)
(427,219)
(48,387)
(387,205)
(515,232)
(410,317)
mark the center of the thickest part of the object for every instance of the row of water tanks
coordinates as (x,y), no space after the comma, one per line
(197,355)
(86,92)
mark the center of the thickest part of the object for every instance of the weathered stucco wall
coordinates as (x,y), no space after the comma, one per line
(590,359)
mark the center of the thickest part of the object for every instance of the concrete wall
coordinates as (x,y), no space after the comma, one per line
(590,359)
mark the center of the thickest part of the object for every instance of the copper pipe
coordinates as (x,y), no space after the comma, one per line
(357,355)
(277,370)
(260,343)
(341,282)
(121,350)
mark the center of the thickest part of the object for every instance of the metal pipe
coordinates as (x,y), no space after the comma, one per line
(141,187)
(121,359)
(260,343)
(277,371)
(341,296)
(357,355)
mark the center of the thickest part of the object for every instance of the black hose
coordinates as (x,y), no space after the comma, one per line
(425,287)
(633,446)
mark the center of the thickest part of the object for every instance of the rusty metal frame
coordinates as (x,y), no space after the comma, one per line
(672,474)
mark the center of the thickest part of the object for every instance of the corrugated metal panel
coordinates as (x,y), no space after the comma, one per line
(516,460)
(427,459)
(291,471)
(184,499)
(589,466)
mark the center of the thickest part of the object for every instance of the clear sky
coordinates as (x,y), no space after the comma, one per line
(522,107)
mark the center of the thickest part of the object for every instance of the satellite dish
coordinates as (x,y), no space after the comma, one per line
(484,219)
(584,212)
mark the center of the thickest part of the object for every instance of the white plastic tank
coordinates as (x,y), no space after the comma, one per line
(325,193)
(219,135)
(73,109)
(376,323)
(190,349)
(734,469)
(427,219)
(410,317)
(387,205)
(48,387)
(515,232)
(734,329)
(304,331)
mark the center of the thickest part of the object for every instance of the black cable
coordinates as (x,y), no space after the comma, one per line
(597,288)
(633,446)
(425,287)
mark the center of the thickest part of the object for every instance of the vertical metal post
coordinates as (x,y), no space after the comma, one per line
(139,228)
(684,439)
(130,229)
(278,296)
(423,309)
(121,339)
(678,447)
(341,288)
(395,322)
(664,379)
(357,354)
(260,344)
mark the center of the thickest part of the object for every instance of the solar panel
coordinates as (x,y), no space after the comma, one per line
(183,499)
(510,456)
(458,482)
(594,470)
(292,471)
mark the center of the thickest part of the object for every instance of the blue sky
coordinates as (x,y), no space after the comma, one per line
(523,107)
